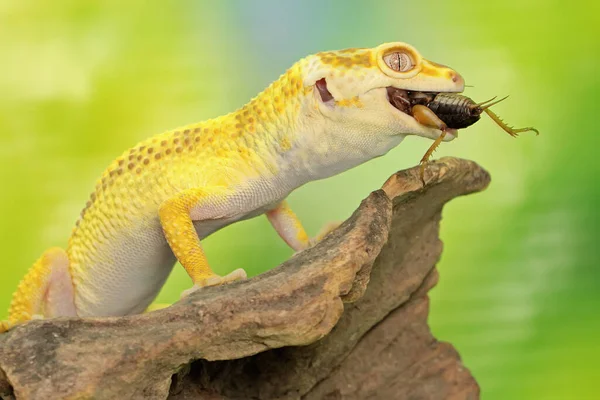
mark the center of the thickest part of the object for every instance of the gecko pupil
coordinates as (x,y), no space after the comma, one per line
(398,61)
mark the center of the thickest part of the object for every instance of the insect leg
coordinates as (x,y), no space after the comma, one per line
(509,129)
(428,118)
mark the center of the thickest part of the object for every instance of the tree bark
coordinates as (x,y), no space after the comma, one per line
(345,319)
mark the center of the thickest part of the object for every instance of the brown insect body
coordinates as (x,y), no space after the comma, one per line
(456,110)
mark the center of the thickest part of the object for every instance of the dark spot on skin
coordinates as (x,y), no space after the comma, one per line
(142,148)
(139,158)
(157,156)
(196,130)
(176,140)
(169,151)
(130,166)
(197,139)
(186,131)
(163,143)
(121,162)
(150,150)
(186,141)
(146,161)
(178,149)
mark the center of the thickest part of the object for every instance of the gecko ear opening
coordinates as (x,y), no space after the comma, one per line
(325,94)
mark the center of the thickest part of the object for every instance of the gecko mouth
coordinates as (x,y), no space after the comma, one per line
(404,100)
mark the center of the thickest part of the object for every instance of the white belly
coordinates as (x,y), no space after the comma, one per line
(131,270)
(127,275)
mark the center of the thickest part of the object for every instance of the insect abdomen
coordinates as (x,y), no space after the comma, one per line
(456,110)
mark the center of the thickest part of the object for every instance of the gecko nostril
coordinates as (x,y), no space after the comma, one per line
(457,78)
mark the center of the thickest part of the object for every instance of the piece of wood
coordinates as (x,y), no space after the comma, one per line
(346,319)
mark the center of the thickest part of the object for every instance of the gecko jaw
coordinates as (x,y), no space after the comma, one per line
(403,101)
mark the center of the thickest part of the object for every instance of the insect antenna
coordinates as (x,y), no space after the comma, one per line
(508,129)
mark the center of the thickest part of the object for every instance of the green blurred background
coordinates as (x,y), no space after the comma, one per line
(82,81)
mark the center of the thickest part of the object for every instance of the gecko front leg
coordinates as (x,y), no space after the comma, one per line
(290,229)
(176,216)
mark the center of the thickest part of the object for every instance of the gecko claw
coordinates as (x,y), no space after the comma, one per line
(237,275)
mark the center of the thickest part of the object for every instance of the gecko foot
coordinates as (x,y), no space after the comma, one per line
(216,280)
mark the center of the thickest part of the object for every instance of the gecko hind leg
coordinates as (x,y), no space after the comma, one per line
(46,291)
(290,229)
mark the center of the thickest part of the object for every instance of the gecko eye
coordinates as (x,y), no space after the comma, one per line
(399,61)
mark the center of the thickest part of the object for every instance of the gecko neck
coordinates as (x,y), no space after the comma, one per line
(329,149)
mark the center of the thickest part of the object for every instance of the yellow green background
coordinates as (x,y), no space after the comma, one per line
(81,81)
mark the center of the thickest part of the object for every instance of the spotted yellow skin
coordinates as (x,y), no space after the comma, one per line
(157,201)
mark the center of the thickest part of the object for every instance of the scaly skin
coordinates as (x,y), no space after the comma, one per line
(157,200)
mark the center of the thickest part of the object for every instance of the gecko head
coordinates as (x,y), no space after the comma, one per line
(366,90)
